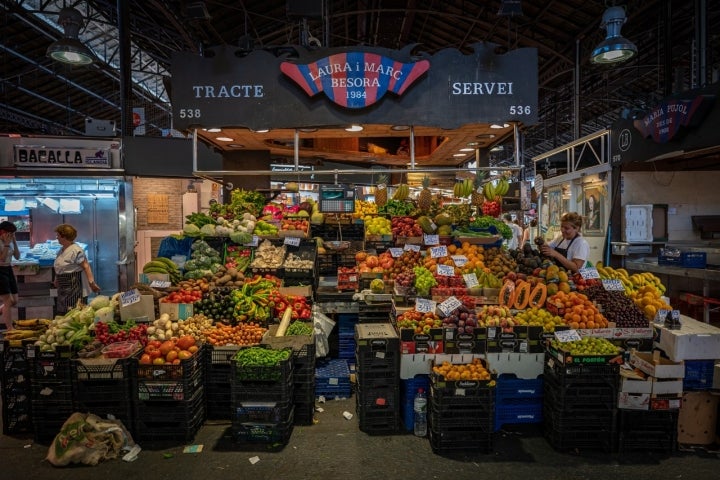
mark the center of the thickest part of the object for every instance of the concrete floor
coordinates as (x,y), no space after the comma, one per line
(334,448)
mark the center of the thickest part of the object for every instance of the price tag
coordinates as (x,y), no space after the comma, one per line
(438,252)
(446,271)
(294,241)
(450,305)
(352,278)
(471,280)
(423,305)
(589,273)
(130,297)
(431,239)
(253,242)
(661,315)
(613,284)
(567,336)
(459,260)
(409,247)
(396,252)
(160,284)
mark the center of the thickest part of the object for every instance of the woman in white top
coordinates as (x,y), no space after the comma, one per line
(569,249)
(8,284)
(69,265)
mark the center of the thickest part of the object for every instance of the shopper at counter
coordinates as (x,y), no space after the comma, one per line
(70,264)
(8,284)
(569,249)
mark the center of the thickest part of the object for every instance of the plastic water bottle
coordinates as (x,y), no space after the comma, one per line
(420,408)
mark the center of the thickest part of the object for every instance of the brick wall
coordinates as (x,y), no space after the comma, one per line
(173,188)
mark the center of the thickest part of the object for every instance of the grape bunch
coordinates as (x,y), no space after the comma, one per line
(424,280)
(405,279)
(617,307)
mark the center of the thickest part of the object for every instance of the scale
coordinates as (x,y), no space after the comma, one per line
(337,199)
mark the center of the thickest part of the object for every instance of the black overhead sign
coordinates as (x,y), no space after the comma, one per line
(332,87)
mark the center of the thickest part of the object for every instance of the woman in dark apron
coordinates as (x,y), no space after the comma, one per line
(69,265)
(569,249)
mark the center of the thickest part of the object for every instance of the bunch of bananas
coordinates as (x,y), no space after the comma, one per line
(29,329)
(632,282)
(402,192)
(164,266)
(491,192)
(464,188)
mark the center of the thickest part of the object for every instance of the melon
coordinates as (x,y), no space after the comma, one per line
(443,219)
(377,286)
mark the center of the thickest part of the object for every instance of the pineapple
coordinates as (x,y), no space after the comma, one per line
(381,193)
(477,198)
(425,196)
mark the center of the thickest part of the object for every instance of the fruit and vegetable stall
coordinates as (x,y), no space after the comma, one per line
(272,309)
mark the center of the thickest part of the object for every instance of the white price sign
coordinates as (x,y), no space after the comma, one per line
(160,284)
(431,239)
(253,242)
(396,252)
(471,280)
(589,273)
(438,252)
(459,260)
(613,284)
(293,241)
(409,247)
(567,336)
(445,271)
(130,297)
(423,305)
(450,305)
(662,314)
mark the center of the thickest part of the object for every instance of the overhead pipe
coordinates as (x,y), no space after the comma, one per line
(123,26)
(412,147)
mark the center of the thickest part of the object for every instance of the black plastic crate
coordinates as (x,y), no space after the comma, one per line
(304,413)
(377,361)
(218,373)
(274,373)
(271,433)
(383,379)
(218,401)
(52,391)
(647,431)
(219,356)
(14,358)
(160,390)
(379,398)
(17,401)
(567,434)
(169,413)
(462,416)
(53,365)
(262,412)
(461,392)
(90,370)
(447,442)
(184,371)
(584,397)
(16,421)
(580,374)
(48,418)
(162,433)
(250,390)
(375,421)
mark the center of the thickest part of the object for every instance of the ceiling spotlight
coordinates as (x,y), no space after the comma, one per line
(497,125)
(468,149)
(459,154)
(354,128)
(213,130)
(510,8)
(615,47)
(308,130)
(70,49)
(236,145)
(224,139)
(262,130)
(400,128)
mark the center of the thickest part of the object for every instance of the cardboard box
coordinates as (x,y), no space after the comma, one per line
(693,341)
(144,308)
(411,342)
(461,343)
(301,291)
(667,386)
(698,418)
(566,358)
(634,385)
(656,366)
(177,311)
(633,401)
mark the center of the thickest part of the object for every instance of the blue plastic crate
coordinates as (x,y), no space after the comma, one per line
(510,387)
(693,259)
(518,411)
(332,378)
(698,374)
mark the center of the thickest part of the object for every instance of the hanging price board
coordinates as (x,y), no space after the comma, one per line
(471,280)
(567,336)
(411,248)
(423,305)
(395,252)
(446,271)
(589,273)
(431,239)
(160,284)
(613,285)
(253,242)
(438,252)
(459,260)
(293,241)
(130,297)
(450,305)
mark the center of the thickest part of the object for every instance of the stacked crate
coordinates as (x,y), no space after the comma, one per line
(169,402)
(332,379)
(262,404)
(15,388)
(377,357)
(518,400)
(218,393)
(104,386)
(580,403)
(647,431)
(51,390)
(460,414)
(346,336)
(374,312)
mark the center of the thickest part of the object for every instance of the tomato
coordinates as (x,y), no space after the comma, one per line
(166,346)
(145,359)
(158,361)
(185,342)
(184,355)
(171,355)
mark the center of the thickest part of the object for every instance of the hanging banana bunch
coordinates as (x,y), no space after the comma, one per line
(463,188)
(401,192)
